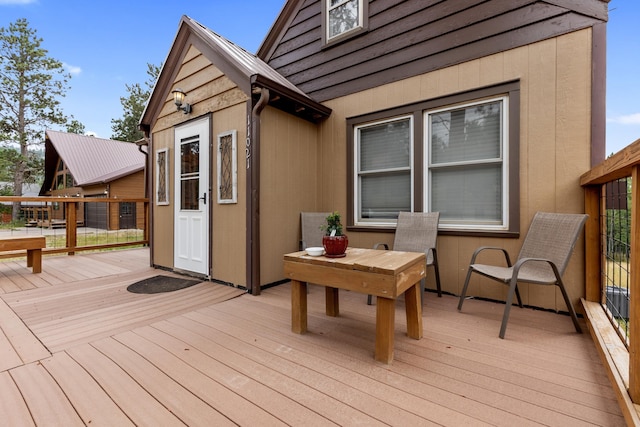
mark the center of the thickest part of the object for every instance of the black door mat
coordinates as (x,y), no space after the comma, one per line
(159,284)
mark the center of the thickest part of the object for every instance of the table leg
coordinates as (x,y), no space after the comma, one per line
(385,327)
(332,301)
(29,257)
(298,306)
(413,307)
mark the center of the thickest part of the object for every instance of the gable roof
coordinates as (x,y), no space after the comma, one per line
(90,160)
(243,68)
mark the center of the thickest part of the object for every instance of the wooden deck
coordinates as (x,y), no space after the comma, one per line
(78,349)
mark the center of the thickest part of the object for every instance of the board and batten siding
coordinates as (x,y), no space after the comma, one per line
(208,91)
(289,184)
(555,117)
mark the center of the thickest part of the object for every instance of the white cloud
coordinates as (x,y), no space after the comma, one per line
(629,119)
(71,68)
(3,2)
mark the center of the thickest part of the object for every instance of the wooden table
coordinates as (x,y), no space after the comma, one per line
(384,274)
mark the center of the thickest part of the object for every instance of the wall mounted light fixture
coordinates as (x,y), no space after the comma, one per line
(178,99)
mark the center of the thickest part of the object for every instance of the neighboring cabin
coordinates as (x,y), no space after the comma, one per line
(484,111)
(86,166)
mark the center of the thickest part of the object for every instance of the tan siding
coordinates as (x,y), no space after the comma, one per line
(163,214)
(208,91)
(229,220)
(554,146)
(289,180)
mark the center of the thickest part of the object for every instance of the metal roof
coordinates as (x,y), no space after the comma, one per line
(245,69)
(93,160)
(248,63)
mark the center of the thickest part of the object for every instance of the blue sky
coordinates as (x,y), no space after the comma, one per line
(107,44)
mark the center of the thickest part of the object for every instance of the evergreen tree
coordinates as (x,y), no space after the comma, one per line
(126,128)
(74,126)
(31,84)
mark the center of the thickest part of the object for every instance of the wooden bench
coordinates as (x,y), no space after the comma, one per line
(33,246)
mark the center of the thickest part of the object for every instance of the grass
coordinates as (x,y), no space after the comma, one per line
(96,238)
(617,273)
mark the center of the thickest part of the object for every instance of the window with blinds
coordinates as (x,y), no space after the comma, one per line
(384,159)
(466,179)
(456,154)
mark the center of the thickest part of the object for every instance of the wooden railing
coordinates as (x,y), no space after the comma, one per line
(626,359)
(64,221)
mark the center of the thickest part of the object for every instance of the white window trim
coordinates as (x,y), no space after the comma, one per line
(234,167)
(357,201)
(504,151)
(166,200)
(358,27)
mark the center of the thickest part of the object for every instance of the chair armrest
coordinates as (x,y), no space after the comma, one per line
(522,261)
(377,245)
(494,248)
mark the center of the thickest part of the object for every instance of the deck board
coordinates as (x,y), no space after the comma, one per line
(139,405)
(89,311)
(206,356)
(13,408)
(172,357)
(92,403)
(47,402)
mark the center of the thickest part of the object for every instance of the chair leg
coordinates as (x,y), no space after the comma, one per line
(513,286)
(369,299)
(464,288)
(518,296)
(437,271)
(567,301)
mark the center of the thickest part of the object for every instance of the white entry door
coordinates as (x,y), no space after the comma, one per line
(191,227)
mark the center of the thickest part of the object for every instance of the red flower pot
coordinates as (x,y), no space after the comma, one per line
(335,245)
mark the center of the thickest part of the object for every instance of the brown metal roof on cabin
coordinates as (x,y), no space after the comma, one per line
(409,38)
(246,63)
(243,68)
(91,160)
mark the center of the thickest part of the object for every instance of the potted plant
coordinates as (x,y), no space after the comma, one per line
(334,242)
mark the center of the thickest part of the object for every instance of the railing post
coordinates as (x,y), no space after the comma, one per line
(592,243)
(634,289)
(70,215)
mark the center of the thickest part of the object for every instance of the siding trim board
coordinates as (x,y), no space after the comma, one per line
(407,39)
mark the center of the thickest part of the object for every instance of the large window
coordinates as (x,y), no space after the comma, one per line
(63,178)
(457,155)
(343,18)
(383,163)
(466,179)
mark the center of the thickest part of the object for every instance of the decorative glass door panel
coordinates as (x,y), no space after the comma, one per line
(190,173)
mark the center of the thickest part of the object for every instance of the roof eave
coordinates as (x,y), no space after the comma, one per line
(290,101)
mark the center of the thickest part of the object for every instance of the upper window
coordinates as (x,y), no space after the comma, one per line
(457,155)
(343,18)
(62,178)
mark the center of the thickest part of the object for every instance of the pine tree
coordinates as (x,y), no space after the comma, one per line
(31,84)
(126,128)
